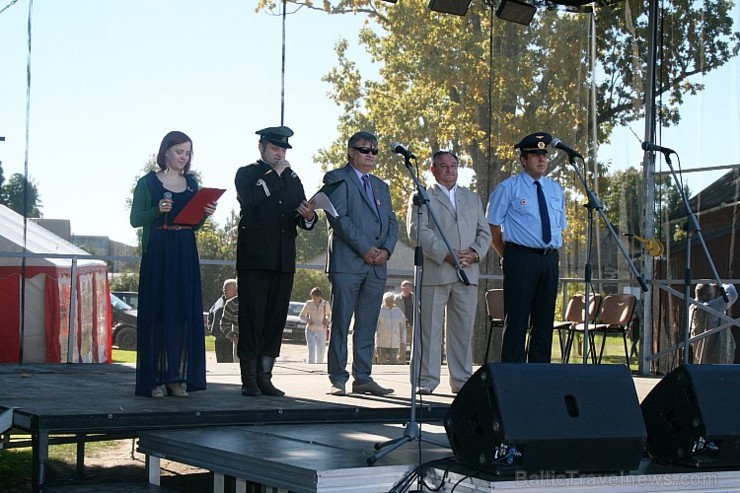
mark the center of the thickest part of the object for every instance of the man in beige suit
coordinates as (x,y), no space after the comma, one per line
(460,215)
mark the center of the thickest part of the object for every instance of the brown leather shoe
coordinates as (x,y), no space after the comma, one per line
(370,387)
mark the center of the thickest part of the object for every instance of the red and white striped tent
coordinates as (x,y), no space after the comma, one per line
(44,335)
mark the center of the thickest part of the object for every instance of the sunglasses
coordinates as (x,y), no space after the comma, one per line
(366,150)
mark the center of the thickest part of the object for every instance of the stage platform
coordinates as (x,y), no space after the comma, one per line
(298,458)
(71,403)
(333,459)
(77,403)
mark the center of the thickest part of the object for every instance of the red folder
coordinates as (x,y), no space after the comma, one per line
(193,212)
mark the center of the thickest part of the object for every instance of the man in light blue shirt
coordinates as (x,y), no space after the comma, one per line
(526,215)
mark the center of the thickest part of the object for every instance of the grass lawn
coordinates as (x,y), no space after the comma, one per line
(122,356)
(613,351)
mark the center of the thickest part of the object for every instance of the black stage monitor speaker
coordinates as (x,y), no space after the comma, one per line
(456,7)
(692,416)
(547,418)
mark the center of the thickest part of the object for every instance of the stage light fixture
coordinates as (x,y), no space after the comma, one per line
(456,7)
(516,11)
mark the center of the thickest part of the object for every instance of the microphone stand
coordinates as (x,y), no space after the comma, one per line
(692,226)
(594,204)
(413,431)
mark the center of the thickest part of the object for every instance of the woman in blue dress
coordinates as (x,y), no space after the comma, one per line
(170,339)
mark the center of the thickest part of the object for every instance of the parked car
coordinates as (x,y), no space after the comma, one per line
(131,298)
(295,328)
(124,323)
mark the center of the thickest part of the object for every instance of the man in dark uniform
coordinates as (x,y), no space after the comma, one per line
(273,205)
(526,215)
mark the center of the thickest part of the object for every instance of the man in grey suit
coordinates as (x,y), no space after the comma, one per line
(460,215)
(361,240)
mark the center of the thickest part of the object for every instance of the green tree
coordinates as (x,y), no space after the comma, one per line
(311,244)
(475,84)
(305,280)
(125,281)
(451,82)
(217,247)
(12,193)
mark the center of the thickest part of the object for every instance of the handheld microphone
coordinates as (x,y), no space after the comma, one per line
(649,146)
(400,149)
(559,144)
(166,196)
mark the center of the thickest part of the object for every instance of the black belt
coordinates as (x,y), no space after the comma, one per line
(538,251)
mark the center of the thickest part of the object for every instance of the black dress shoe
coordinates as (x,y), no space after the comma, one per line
(251,390)
(370,387)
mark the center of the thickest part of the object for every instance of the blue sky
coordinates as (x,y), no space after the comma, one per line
(110,78)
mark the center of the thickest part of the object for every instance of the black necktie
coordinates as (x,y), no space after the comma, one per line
(544,216)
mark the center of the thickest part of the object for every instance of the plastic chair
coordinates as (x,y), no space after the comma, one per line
(575,314)
(615,316)
(495,310)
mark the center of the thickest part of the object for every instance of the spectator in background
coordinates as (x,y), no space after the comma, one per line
(317,315)
(390,335)
(718,348)
(224,347)
(405,301)
(229,325)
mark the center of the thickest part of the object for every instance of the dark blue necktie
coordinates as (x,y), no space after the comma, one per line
(544,216)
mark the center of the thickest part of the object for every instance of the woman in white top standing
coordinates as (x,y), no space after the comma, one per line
(317,315)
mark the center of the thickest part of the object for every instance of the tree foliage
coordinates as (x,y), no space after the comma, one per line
(476,84)
(12,193)
(305,280)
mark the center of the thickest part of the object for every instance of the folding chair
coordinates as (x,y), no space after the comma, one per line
(495,310)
